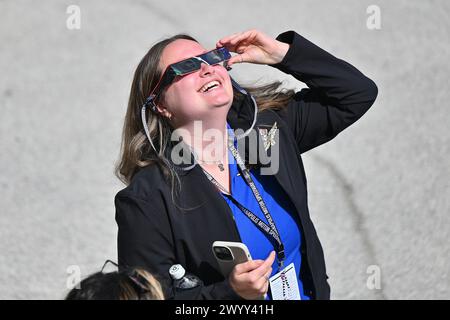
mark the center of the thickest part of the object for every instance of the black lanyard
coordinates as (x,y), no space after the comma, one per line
(270,231)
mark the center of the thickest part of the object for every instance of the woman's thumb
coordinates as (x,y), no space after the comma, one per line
(235,59)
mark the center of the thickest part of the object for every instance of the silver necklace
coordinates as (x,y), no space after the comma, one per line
(219,164)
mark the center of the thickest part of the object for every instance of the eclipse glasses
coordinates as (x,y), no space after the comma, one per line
(188,66)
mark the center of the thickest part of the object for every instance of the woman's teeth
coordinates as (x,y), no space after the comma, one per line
(210,86)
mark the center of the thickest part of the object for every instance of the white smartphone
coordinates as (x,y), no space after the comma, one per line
(228,254)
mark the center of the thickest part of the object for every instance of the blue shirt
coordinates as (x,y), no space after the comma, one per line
(280,208)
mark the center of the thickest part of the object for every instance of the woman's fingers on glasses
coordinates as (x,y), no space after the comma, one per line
(249,36)
(234,59)
(239,58)
(246,35)
(227,38)
(228,41)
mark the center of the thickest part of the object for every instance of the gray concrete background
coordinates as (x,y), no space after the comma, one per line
(378,193)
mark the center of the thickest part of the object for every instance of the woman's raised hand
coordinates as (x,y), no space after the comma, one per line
(253,46)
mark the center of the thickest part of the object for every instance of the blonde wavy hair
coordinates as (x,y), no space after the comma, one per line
(149,287)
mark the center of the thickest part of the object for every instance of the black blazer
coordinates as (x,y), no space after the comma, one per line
(154,233)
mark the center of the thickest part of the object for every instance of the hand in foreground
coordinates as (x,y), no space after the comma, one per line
(250,279)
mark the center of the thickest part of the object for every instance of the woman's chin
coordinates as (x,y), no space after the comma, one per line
(219,100)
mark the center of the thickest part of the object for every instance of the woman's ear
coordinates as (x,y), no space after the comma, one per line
(163,111)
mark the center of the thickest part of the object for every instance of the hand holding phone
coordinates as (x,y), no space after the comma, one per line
(249,278)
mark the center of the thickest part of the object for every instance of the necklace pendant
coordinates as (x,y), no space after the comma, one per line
(220,165)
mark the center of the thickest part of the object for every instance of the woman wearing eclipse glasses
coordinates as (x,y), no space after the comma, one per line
(171,212)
